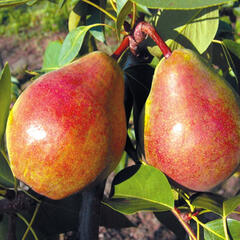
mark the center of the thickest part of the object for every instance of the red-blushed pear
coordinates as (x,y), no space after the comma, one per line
(68,129)
(191,122)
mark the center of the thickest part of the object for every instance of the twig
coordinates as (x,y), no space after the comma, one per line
(89,215)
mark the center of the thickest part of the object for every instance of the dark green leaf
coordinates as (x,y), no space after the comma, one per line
(21,227)
(217,227)
(141,187)
(123,9)
(233,47)
(230,205)
(51,56)
(209,201)
(169,220)
(55,217)
(6,176)
(138,78)
(181,4)
(5,98)
(112,219)
(97,32)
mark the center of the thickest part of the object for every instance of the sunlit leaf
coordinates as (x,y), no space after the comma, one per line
(217,227)
(5,97)
(230,205)
(209,201)
(72,44)
(141,188)
(122,163)
(51,56)
(8,3)
(61,3)
(123,9)
(194,29)
(73,20)
(181,4)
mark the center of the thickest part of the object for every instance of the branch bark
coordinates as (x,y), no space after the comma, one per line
(89,215)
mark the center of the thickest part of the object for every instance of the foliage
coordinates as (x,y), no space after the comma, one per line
(24,20)
(209,27)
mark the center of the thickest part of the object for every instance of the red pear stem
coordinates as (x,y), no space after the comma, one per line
(123,46)
(149,30)
(185,225)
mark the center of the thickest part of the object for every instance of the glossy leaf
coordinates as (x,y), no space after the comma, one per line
(169,220)
(51,56)
(209,201)
(5,98)
(8,3)
(181,4)
(6,176)
(21,227)
(96,17)
(73,20)
(61,3)
(230,205)
(112,219)
(233,47)
(55,217)
(122,163)
(141,188)
(194,29)
(217,226)
(123,9)
(72,44)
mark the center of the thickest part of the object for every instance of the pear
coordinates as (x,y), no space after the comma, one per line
(191,123)
(67,130)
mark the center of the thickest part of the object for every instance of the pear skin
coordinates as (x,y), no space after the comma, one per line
(68,128)
(191,123)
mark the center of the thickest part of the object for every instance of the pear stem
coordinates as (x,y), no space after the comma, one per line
(185,225)
(123,46)
(145,28)
(140,32)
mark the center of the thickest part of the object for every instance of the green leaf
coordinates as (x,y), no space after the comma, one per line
(169,220)
(61,3)
(21,227)
(230,205)
(233,47)
(143,9)
(5,98)
(112,219)
(217,227)
(8,3)
(72,44)
(141,188)
(123,9)
(181,4)
(51,56)
(55,217)
(208,201)
(122,163)
(96,17)
(6,176)
(194,29)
